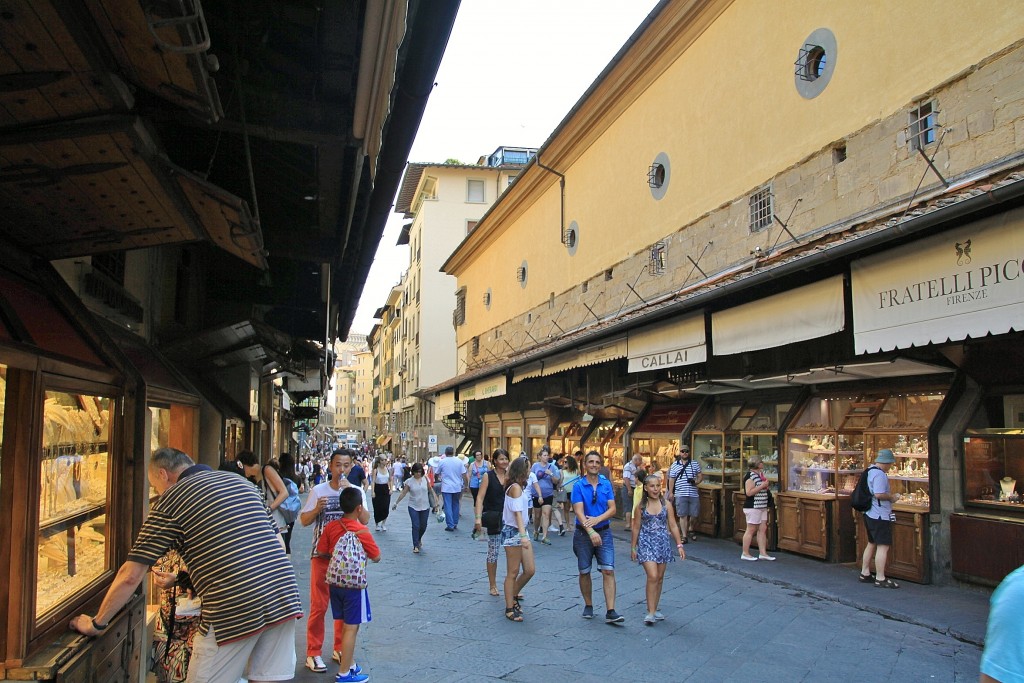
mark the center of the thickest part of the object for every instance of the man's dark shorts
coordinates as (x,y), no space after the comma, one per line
(879,530)
(548,500)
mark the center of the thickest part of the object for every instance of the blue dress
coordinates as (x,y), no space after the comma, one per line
(654,543)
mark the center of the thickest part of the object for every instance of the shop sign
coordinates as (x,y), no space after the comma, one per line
(494,431)
(491,387)
(966,282)
(516,430)
(669,344)
(537,429)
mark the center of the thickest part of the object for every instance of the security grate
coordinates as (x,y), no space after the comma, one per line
(761,209)
(811,62)
(656,175)
(656,264)
(921,131)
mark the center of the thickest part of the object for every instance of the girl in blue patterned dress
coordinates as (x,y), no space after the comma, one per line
(653,520)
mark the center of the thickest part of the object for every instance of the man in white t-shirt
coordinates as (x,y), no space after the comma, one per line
(397,470)
(454,480)
(323,505)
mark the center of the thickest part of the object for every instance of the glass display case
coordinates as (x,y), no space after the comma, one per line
(607,439)
(566,438)
(718,454)
(909,476)
(994,469)
(766,445)
(824,462)
(658,451)
(72,537)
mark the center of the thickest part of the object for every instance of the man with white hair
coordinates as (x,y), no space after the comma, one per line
(231,545)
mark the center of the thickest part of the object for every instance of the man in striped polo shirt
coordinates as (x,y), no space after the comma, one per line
(683,478)
(220,524)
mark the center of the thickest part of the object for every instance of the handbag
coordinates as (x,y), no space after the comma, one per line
(491,520)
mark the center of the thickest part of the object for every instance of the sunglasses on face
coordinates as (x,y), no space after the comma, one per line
(593,500)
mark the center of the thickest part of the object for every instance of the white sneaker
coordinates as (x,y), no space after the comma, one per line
(553,528)
(649,619)
(659,616)
(383,526)
(748,558)
(316,664)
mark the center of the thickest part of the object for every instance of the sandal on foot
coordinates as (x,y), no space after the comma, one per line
(513,614)
(888,583)
(520,597)
(494,591)
(866,578)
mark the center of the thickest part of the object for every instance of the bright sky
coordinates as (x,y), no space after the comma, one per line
(510,74)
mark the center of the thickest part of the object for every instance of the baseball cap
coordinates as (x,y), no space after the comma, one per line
(885,456)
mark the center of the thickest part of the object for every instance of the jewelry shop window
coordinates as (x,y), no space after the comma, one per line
(73,535)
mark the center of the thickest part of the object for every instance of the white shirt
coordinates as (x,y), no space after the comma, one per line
(332,507)
(452,472)
(629,473)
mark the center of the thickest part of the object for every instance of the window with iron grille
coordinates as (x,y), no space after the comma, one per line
(761,209)
(922,125)
(656,266)
(475,346)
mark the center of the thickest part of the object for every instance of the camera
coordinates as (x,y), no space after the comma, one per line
(691,481)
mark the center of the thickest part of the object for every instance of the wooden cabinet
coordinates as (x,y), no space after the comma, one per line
(740,522)
(908,555)
(716,511)
(803,523)
(112,656)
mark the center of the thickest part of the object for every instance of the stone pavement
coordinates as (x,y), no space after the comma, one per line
(796,619)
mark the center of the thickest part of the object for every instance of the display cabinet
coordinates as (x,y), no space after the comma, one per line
(994,470)
(766,445)
(906,559)
(72,534)
(909,475)
(831,442)
(824,462)
(718,454)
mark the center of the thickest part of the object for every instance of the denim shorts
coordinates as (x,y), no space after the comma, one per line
(510,536)
(587,551)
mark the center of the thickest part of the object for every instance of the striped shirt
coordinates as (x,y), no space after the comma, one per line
(681,473)
(229,541)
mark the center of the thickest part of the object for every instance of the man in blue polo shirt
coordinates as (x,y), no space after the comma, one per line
(593,501)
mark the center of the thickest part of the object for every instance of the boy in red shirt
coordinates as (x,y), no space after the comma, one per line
(349,606)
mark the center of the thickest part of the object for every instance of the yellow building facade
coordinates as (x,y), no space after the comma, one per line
(759,232)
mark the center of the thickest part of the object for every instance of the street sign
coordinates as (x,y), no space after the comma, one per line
(432,443)
(403,437)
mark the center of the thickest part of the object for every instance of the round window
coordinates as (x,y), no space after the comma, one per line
(815,63)
(658,175)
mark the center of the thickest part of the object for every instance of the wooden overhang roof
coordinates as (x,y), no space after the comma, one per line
(127,124)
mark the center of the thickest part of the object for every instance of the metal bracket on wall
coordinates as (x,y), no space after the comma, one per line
(785,226)
(931,167)
(695,266)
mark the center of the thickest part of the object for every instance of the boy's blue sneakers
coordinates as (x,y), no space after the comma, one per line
(351,677)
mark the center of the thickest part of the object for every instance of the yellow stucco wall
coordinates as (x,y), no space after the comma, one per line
(730,118)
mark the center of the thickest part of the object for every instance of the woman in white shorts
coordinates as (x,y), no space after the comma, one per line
(755,508)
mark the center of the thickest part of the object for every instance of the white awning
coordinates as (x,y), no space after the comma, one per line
(611,349)
(966,282)
(808,312)
(896,367)
(561,363)
(445,404)
(675,342)
(527,371)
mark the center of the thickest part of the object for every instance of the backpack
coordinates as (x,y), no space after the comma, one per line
(861,498)
(290,507)
(347,567)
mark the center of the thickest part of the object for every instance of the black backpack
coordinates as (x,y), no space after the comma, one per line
(861,498)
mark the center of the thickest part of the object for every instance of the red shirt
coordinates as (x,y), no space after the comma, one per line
(336,528)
